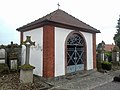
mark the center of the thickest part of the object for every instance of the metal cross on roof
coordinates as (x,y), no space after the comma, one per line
(58,5)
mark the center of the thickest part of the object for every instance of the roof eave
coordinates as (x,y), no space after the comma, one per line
(57,24)
(31,26)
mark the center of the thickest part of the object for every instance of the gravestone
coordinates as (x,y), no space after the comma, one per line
(102,55)
(13,62)
(13,57)
(3,65)
(100,50)
(115,54)
(26,70)
(2,56)
(13,65)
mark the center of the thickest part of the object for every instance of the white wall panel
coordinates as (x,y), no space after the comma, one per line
(60,37)
(36,53)
(89,42)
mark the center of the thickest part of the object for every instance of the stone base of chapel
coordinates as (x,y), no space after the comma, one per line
(69,76)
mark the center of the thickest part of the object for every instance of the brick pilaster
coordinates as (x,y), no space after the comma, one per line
(94,51)
(21,37)
(48,51)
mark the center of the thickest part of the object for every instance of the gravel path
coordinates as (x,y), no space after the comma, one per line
(93,81)
(109,86)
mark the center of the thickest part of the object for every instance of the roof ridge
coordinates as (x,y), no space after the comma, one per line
(53,14)
(77,19)
(60,17)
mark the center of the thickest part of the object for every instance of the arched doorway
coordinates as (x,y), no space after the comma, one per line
(75,53)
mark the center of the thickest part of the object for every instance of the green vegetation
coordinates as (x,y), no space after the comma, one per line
(117,35)
(26,67)
(109,54)
(106,65)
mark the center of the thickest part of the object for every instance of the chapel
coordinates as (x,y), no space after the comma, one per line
(63,44)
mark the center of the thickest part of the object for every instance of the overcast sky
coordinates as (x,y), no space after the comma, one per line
(100,14)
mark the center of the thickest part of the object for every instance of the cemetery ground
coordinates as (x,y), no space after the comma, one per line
(91,81)
(11,81)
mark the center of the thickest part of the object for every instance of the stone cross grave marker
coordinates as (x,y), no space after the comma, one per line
(26,72)
(28,43)
(2,55)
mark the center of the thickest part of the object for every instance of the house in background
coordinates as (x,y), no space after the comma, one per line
(105,51)
(64,44)
(109,47)
(105,47)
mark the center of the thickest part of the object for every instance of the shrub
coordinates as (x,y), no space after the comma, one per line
(106,65)
(108,55)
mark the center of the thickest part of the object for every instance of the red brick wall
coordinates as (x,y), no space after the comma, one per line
(48,51)
(94,50)
(21,37)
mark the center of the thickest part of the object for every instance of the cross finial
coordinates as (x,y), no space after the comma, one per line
(58,5)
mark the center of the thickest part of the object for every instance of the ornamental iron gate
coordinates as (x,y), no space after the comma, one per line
(75,53)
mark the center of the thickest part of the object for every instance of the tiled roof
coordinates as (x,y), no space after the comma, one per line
(61,17)
(109,47)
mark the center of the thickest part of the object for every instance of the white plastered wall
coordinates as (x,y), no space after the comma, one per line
(89,44)
(36,52)
(60,37)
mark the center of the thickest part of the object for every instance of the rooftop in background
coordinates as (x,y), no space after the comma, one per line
(105,47)
(109,47)
(59,18)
